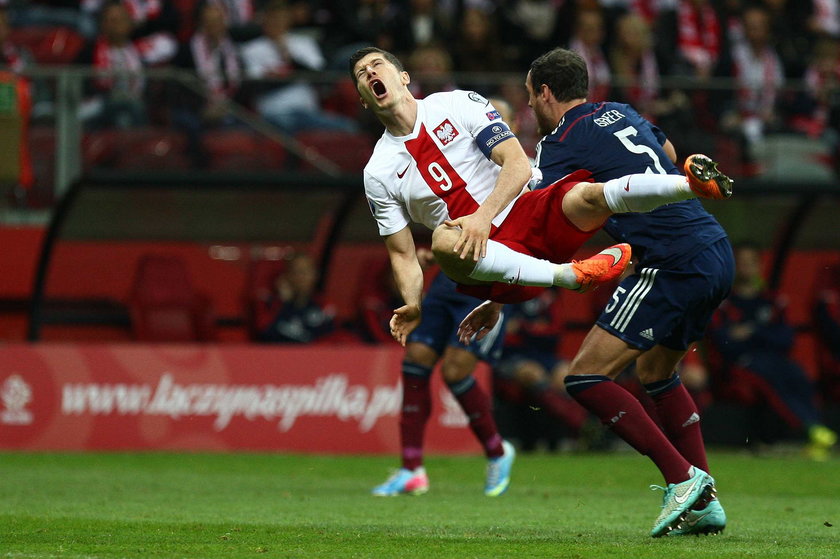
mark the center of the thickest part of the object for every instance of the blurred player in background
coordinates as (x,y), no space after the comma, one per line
(683,270)
(435,340)
(753,338)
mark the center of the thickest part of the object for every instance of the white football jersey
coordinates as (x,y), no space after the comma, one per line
(441,170)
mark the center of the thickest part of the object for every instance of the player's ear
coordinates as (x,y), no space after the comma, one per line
(405,79)
(362,101)
(545,92)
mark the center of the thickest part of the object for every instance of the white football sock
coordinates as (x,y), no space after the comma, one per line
(645,192)
(504,264)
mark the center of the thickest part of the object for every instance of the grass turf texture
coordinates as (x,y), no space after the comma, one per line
(290,506)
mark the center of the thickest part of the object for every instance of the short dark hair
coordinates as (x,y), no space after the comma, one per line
(364,51)
(564,72)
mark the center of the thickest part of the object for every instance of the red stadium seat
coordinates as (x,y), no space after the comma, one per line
(49,45)
(42,148)
(163,305)
(242,150)
(349,151)
(149,148)
(154,149)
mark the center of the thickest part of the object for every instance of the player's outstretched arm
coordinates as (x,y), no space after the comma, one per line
(408,276)
(515,174)
(479,321)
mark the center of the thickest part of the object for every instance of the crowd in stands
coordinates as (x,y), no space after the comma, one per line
(780,58)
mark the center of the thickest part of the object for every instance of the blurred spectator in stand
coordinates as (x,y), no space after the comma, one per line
(291,105)
(817,112)
(293,312)
(212,55)
(793,31)
(694,49)
(477,48)
(635,66)
(826,319)
(12,57)
(531,371)
(431,70)
(825,18)
(522,120)
(759,75)
(690,41)
(752,340)
(116,99)
(587,40)
(426,22)
(241,17)
(360,23)
(636,71)
(531,27)
(154,26)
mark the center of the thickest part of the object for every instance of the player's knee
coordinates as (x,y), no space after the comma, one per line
(420,354)
(648,376)
(454,372)
(585,205)
(530,373)
(457,364)
(443,244)
(443,240)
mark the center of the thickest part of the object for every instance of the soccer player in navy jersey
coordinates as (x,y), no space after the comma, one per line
(683,270)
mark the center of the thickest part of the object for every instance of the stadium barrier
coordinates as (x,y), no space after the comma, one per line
(318,399)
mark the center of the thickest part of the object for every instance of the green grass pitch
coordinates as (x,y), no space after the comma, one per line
(294,506)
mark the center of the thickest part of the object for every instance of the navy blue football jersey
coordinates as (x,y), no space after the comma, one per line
(611,140)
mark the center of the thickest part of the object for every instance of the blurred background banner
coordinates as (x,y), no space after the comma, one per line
(205,398)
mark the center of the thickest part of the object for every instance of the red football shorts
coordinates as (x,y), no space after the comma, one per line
(537,226)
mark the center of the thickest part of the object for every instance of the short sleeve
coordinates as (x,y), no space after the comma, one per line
(483,121)
(389,213)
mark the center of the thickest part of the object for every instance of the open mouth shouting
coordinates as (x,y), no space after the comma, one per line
(378,88)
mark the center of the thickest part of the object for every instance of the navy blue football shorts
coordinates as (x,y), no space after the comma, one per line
(443,310)
(671,306)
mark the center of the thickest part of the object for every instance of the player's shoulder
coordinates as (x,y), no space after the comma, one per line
(591,118)
(385,152)
(611,112)
(600,115)
(457,97)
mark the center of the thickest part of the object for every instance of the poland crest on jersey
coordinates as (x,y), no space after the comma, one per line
(445,132)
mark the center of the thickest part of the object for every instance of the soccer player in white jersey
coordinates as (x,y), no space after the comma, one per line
(451,163)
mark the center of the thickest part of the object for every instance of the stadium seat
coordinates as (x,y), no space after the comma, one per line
(42,149)
(164,306)
(242,150)
(148,148)
(349,151)
(50,44)
(153,149)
